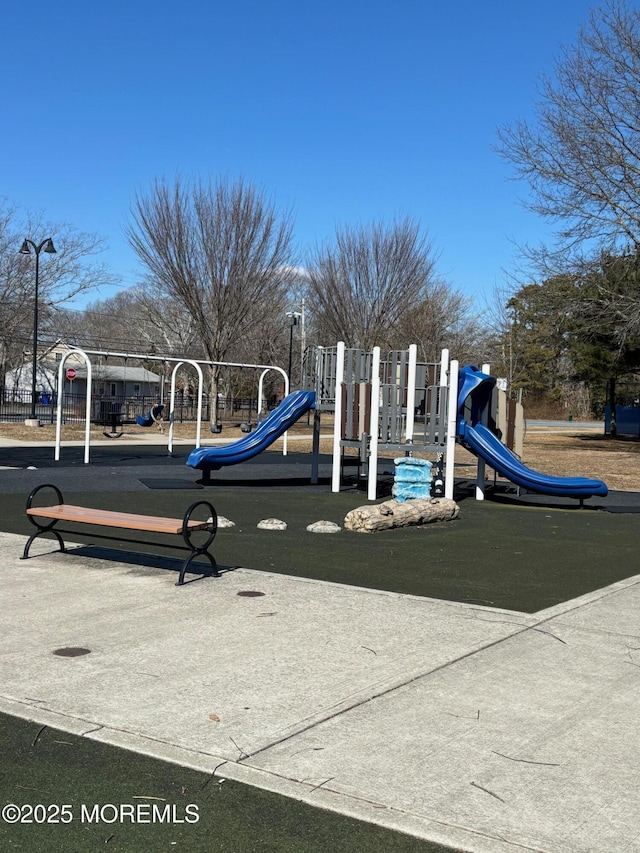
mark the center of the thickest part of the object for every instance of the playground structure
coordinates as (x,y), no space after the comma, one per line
(406,406)
(78,355)
(396,405)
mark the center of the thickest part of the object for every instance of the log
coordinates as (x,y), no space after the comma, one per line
(392,514)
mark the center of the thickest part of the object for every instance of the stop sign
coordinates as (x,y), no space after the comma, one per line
(71,373)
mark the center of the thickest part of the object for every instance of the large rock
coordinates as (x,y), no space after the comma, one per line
(390,514)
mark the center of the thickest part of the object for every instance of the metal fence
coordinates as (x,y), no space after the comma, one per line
(15,407)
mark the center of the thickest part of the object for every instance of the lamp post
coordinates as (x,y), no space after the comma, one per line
(25,249)
(294,317)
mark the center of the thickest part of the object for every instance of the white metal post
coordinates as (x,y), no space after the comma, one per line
(452,430)
(87,423)
(287,387)
(372,479)
(482,466)
(444,368)
(337,417)
(411,392)
(172,402)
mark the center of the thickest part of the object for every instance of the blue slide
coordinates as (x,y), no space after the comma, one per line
(279,420)
(474,391)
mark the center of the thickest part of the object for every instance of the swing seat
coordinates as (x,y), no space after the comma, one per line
(111,415)
(153,416)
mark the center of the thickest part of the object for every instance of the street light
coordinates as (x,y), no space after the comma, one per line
(294,317)
(25,249)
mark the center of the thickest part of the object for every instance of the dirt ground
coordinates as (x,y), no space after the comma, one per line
(587,453)
(561,451)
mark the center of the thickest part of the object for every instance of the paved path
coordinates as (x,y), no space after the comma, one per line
(565,425)
(490,730)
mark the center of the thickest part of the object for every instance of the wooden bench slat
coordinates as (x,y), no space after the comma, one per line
(109,518)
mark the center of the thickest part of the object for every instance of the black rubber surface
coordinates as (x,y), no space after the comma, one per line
(521,554)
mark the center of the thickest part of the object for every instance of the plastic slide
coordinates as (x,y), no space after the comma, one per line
(279,420)
(475,388)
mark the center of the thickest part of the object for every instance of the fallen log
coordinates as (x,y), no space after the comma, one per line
(391,514)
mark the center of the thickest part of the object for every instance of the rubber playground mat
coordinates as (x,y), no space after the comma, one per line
(75,794)
(523,555)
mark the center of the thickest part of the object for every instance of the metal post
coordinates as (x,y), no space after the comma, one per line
(293,316)
(293,322)
(337,417)
(35,341)
(452,429)
(372,472)
(411,393)
(25,249)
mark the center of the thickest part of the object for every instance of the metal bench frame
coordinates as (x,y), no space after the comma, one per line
(126,521)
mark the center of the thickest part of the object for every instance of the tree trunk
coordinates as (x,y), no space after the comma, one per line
(612,403)
(391,514)
(214,386)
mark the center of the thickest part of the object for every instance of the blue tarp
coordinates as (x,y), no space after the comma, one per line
(412,478)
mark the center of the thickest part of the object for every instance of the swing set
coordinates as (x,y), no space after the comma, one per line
(156,414)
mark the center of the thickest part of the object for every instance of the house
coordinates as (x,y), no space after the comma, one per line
(121,381)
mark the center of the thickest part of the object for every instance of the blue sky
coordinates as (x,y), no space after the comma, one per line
(344,111)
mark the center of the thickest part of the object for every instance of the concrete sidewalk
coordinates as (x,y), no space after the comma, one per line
(485,729)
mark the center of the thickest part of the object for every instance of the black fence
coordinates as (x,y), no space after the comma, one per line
(16,406)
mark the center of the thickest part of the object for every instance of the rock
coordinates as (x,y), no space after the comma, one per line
(324,527)
(224,522)
(272,524)
(391,514)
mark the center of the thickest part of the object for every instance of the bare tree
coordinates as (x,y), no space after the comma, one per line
(503,346)
(222,251)
(581,158)
(362,287)
(444,319)
(134,320)
(161,323)
(63,276)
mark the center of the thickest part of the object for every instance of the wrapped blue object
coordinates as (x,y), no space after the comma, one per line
(411,470)
(412,478)
(409,491)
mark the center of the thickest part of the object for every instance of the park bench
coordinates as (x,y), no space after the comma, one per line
(184,526)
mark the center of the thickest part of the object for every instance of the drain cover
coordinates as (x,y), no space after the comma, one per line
(72,652)
(250,593)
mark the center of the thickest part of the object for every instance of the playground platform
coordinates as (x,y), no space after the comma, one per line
(483,728)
